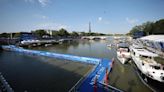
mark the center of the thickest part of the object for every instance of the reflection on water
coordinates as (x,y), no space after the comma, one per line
(82,48)
(40,73)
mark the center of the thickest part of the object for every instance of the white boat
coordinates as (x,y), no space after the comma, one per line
(148,63)
(123,52)
(29,41)
(109,45)
(46,45)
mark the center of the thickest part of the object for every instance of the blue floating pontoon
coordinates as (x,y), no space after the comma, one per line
(99,71)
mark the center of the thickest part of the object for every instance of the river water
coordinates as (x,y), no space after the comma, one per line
(41,74)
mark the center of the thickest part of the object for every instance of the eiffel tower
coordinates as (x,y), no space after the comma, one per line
(89,27)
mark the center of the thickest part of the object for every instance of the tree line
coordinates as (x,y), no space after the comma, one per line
(52,33)
(149,28)
(63,33)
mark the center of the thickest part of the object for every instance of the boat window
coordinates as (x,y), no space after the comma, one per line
(128,50)
(145,56)
(156,67)
(140,50)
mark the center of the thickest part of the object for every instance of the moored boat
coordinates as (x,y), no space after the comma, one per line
(109,45)
(123,52)
(148,63)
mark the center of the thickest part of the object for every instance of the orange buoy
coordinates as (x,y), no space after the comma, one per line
(106,79)
(107,76)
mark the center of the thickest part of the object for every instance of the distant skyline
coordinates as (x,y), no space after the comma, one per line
(106,16)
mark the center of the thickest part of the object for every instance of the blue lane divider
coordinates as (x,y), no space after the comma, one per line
(87,86)
(54,55)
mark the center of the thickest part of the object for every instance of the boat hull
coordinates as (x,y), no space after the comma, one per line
(124,59)
(154,85)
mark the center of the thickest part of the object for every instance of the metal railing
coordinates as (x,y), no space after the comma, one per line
(5,87)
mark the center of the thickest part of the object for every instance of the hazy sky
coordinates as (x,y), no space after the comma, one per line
(106,16)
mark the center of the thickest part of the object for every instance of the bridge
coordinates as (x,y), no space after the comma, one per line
(94,37)
(97,77)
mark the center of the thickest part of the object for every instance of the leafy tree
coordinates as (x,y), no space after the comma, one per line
(55,33)
(149,28)
(101,34)
(16,35)
(135,29)
(82,33)
(5,35)
(39,32)
(75,34)
(63,32)
(158,27)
